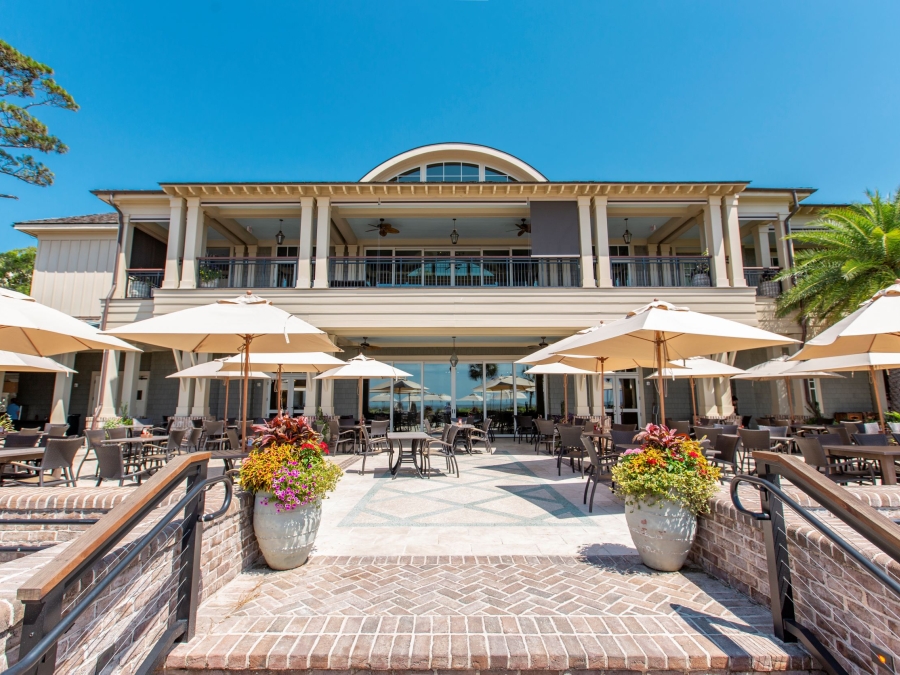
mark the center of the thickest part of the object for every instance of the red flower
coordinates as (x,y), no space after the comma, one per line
(693,454)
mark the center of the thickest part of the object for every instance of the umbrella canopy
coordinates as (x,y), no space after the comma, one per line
(472,398)
(695,367)
(401,386)
(505,383)
(26,363)
(560,369)
(28,327)
(780,369)
(362,368)
(214,370)
(874,327)
(662,331)
(227,325)
(286,362)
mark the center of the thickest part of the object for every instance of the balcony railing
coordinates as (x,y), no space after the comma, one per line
(660,271)
(761,278)
(453,272)
(142,282)
(246,273)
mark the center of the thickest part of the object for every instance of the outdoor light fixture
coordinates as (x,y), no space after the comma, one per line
(279,238)
(454,359)
(454,236)
(627,235)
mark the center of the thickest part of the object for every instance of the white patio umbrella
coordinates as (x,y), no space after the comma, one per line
(245,322)
(214,370)
(696,367)
(28,327)
(285,362)
(870,362)
(565,371)
(874,327)
(780,369)
(26,363)
(362,368)
(660,331)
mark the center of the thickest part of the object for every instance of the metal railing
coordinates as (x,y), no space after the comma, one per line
(141,282)
(862,519)
(660,271)
(246,272)
(761,278)
(453,272)
(48,619)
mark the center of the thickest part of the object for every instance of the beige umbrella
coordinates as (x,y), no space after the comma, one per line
(870,361)
(696,367)
(661,331)
(227,325)
(565,371)
(362,368)
(780,369)
(26,363)
(214,370)
(285,362)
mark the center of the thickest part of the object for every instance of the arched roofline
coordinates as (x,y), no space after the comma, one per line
(389,168)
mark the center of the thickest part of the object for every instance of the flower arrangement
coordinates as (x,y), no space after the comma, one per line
(6,423)
(669,465)
(289,461)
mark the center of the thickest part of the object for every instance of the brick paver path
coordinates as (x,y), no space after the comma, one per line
(476,613)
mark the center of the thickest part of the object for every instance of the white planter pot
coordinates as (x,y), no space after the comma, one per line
(285,538)
(662,532)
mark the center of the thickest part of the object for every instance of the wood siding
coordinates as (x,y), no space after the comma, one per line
(74,275)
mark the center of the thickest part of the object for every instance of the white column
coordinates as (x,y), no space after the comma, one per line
(193,242)
(309,409)
(763,252)
(596,395)
(323,241)
(62,390)
(185,385)
(175,245)
(581,395)
(304,252)
(327,403)
(200,406)
(715,242)
(130,374)
(782,246)
(733,239)
(601,242)
(109,385)
(124,256)
(584,237)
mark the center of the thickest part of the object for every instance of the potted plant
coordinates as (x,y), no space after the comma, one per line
(290,474)
(209,277)
(700,276)
(666,484)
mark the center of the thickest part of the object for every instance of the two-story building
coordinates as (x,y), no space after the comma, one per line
(450,261)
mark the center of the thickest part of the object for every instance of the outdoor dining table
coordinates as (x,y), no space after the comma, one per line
(416,438)
(603,438)
(18,455)
(884,455)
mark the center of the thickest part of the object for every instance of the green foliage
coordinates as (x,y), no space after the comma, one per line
(853,253)
(891,416)
(16,267)
(6,423)
(26,84)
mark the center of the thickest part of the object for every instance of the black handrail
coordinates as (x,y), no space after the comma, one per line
(48,642)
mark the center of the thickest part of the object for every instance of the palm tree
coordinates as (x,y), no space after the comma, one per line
(850,253)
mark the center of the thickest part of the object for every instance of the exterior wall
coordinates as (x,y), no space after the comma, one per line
(73,274)
(754,398)
(162,394)
(346,400)
(35,395)
(86,363)
(851,394)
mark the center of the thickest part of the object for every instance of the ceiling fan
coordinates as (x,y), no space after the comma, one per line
(523,228)
(383,229)
(364,345)
(540,345)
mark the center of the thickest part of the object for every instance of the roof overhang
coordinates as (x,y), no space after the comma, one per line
(37,229)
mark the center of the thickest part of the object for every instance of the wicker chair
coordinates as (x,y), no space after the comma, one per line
(443,447)
(596,468)
(59,454)
(341,437)
(840,472)
(369,447)
(726,453)
(545,435)
(483,436)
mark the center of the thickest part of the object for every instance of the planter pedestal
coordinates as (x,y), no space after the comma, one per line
(285,538)
(662,533)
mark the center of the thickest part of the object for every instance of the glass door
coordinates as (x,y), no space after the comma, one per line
(621,398)
(501,394)
(437,406)
(470,389)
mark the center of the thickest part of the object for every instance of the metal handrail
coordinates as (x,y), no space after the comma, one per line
(34,655)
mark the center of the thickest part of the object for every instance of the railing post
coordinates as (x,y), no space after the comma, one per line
(781,596)
(191,551)
(41,617)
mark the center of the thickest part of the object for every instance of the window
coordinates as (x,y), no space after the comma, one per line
(411,176)
(452,172)
(494,176)
(286,252)
(618,251)
(218,252)
(813,393)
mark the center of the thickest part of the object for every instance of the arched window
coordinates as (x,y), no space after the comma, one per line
(452,172)
(411,176)
(494,176)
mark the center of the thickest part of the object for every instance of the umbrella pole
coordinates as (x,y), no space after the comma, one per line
(566,398)
(787,383)
(227,385)
(602,393)
(877,398)
(280,411)
(693,400)
(360,401)
(247,340)
(662,398)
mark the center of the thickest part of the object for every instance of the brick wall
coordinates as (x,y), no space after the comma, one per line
(137,608)
(838,600)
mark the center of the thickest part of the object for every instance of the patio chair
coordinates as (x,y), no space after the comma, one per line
(727,428)
(870,439)
(341,438)
(117,433)
(870,428)
(94,437)
(845,471)
(483,436)
(192,439)
(623,440)
(113,465)
(443,447)
(430,430)
(155,457)
(894,427)
(545,435)
(776,431)
(726,456)
(524,428)
(29,431)
(839,430)
(683,427)
(370,447)
(896,436)
(60,454)
(597,464)
(754,439)
(56,430)
(570,447)
(710,433)
(20,440)
(851,427)
(213,433)
(624,427)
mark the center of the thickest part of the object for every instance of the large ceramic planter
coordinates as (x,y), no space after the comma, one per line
(285,538)
(662,533)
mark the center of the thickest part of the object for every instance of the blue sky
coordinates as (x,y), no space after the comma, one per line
(783,94)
